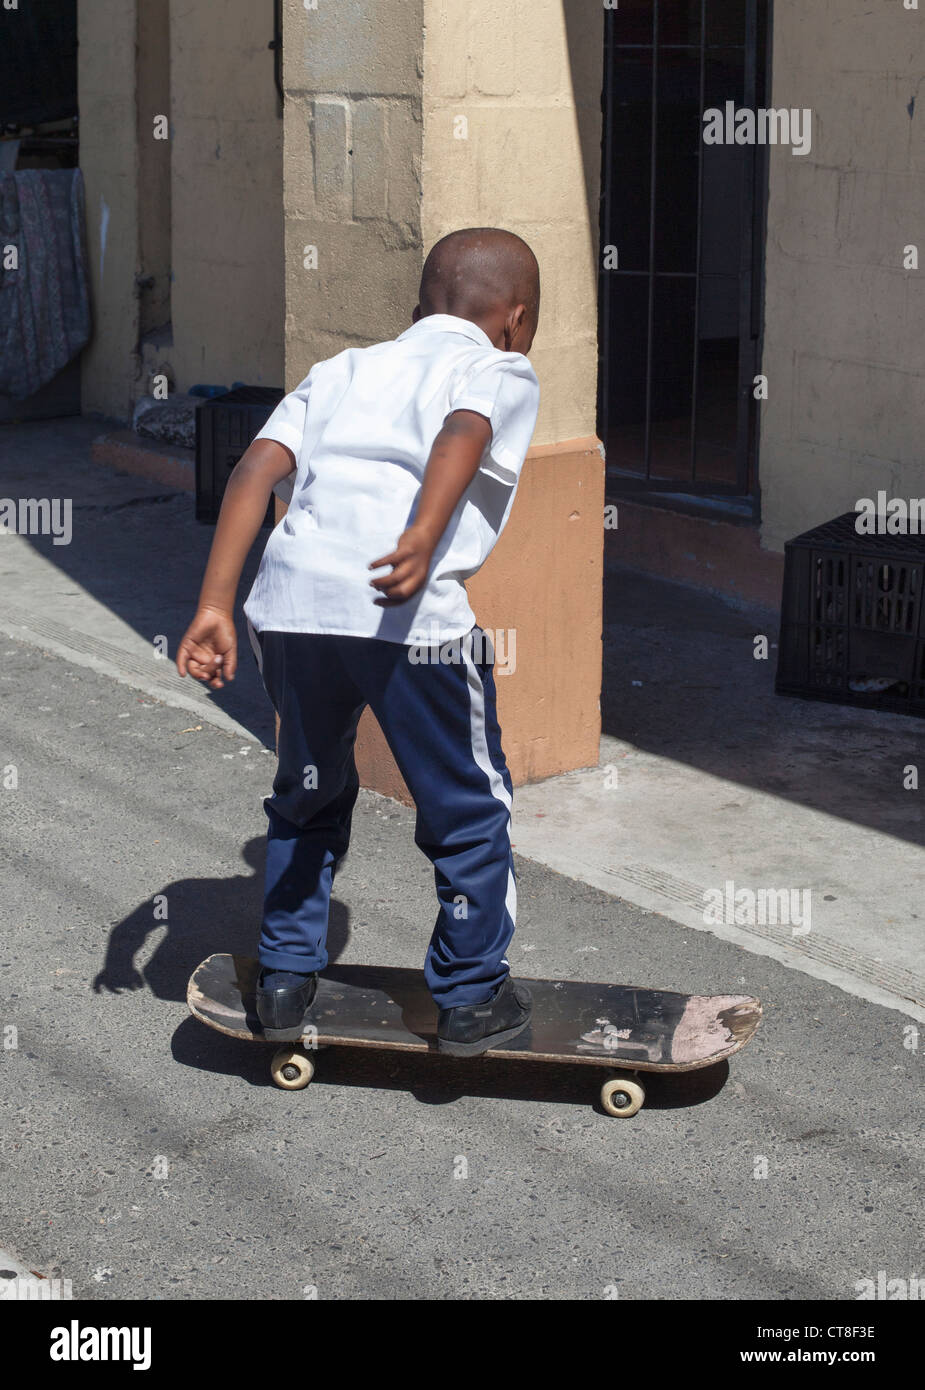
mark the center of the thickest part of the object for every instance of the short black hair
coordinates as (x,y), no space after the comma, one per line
(470,272)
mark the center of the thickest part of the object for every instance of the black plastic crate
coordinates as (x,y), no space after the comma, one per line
(225,426)
(853,618)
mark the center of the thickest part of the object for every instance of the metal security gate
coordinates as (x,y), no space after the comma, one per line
(682,237)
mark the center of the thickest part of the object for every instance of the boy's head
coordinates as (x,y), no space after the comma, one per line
(488,276)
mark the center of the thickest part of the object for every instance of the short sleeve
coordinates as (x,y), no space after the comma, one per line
(507,393)
(284,489)
(287,423)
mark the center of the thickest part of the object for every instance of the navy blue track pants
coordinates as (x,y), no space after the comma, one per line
(439,720)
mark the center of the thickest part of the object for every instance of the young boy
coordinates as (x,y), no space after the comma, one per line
(404,457)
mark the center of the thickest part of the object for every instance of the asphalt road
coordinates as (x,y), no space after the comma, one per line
(144,1156)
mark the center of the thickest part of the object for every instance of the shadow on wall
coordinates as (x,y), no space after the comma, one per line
(584,26)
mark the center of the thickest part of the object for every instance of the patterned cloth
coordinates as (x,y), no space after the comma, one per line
(45,303)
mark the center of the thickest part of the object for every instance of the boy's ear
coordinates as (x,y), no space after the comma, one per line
(415,313)
(515,324)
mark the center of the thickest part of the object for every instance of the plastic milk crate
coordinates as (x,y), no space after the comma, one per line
(853,618)
(225,427)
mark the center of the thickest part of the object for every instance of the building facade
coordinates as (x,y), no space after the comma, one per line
(729,348)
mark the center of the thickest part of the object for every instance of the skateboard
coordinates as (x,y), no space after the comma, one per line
(626,1030)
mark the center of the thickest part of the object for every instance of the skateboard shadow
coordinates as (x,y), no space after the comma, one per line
(436,1080)
(203,916)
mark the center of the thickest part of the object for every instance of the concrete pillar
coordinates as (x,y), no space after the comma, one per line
(512,138)
(106,77)
(351,178)
(404,122)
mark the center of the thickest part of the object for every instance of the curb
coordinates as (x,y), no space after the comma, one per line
(128,452)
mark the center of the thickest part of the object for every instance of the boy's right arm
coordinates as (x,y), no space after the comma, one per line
(208,650)
(452,464)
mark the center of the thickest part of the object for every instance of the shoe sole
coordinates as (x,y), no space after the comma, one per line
(284,1034)
(472,1049)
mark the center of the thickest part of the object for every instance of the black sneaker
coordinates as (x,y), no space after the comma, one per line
(473,1028)
(283,999)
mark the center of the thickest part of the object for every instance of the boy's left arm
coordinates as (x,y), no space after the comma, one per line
(453,463)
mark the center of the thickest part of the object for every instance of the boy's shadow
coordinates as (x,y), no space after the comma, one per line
(203,915)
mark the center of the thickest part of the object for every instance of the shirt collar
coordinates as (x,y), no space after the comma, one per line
(448,323)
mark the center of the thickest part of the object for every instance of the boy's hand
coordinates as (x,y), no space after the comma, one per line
(453,463)
(209,649)
(411,561)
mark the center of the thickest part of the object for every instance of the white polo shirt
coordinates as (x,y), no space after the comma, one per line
(361,426)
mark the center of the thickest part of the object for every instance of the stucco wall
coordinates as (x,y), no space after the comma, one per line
(351,185)
(526,78)
(204,208)
(154,191)
(372,91)
(522,82)
(109,161)
(368,88)
(844,349)
(227,302)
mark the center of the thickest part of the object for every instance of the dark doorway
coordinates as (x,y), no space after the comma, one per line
(682,233)
(38,84)
(39,143)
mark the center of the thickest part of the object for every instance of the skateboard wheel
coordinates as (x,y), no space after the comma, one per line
(621,1096)
(291,1069)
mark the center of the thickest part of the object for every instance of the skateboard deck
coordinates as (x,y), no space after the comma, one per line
(621,1027)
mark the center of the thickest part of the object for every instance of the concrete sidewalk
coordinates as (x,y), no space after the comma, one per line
(706,778)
